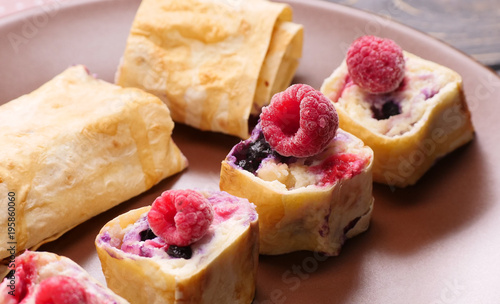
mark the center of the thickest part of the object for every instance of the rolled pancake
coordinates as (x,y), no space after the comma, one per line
(297,210)
(280,64)
(44,274)
(74,148)
(434,119)
(212,62)
(222,269)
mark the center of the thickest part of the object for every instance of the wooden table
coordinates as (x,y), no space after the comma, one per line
(470,26)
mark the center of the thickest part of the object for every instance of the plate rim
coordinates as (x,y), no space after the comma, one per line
(312,3)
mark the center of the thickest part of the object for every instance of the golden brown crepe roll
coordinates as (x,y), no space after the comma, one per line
(212,62)
(313,203)
(221,266)
(427,117)
(44,277)
(74,148)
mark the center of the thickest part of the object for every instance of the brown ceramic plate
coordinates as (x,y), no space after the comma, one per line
(436,242)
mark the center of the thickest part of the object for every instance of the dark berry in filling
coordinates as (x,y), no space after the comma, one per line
(147,235)
(180,252)
(388,109)
(249,156)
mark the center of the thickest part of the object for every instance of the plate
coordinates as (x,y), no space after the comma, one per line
(435,242)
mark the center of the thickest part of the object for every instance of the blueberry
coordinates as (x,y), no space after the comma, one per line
(389,109)
(242,163)
(147,234)
(179,252)
(250,156)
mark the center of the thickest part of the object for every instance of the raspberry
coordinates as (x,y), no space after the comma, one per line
(180,217)
(338,167)
(25,275)
(375,64)
(61,290)
(299,122)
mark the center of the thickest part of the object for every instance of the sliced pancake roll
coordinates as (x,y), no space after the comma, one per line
(47,278)
(312,203)
(188,247)
(310,180)
(410,127)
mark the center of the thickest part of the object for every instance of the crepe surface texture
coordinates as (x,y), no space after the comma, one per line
(433,121)
(222,269)
(213,62)
(74,148)
(36,274)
